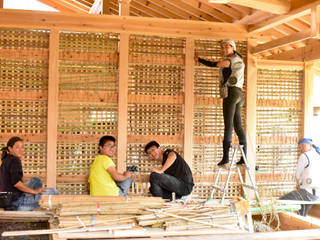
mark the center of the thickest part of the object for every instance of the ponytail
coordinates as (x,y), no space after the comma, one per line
(4,152)
(316,148)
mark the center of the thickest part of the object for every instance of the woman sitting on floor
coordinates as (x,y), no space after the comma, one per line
(25,196)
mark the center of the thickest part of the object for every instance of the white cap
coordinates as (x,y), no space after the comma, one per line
(230,42)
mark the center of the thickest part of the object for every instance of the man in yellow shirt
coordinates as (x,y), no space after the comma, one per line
(104,178)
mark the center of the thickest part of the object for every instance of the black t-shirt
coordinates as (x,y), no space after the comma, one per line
(179,169)
(10,173)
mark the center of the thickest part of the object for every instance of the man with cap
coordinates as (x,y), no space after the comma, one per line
(231,79)
(307,176)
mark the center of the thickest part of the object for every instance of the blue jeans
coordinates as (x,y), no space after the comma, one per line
(29,201)
(124,186)
(163,185)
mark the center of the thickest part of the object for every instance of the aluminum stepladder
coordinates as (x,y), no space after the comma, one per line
(232,166)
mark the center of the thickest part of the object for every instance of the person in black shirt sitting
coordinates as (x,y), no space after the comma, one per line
(174,176)
(25,196)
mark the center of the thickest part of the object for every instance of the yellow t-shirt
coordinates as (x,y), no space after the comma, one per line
(101,182)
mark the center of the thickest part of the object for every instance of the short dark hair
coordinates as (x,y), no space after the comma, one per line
(151,144)
(104,139)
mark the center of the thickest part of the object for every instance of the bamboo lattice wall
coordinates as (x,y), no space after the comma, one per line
(88,107)
(24,86)
(279,127)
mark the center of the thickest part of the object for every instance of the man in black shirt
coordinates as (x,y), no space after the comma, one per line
(174,176)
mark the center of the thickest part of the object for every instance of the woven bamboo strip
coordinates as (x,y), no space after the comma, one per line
(279,103)
(154,59)
(202,100)
(96,57)
(22,95)
(155,99)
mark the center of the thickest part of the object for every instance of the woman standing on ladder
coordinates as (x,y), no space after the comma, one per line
(231,79)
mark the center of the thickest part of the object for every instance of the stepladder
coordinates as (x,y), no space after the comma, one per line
(229,169)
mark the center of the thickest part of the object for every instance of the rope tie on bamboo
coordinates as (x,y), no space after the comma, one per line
(127,199)
(82,224)
(98,208)
(91,220)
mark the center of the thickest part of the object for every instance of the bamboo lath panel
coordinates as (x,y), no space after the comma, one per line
(20,117)
(23,75)
(24,38)
(208,120)
(156,79)
(275,158)
(156,65)
(279,84)
(96,42)
(72,188)
(86,118)
(203,191)
(155,119)
(279,121)
(205,158)
(76,158)
(274,189)
(88,76)
(279,124)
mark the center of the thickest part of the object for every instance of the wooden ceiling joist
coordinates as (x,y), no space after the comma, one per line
(295,37)
(273,6)
(311,52)
(139,25)
(294,14)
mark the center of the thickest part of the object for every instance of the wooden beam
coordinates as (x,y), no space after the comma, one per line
(273,6)
(188,102)
(274,64)
(308,93)
(293,38)
(295,13)
(292,221)
(123,101)
(251,116)
(58,6)
(315,20)
(1,3)
(53,91)
(311,52)
(121,24)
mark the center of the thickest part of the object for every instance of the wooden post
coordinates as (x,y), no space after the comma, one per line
(251,115)
(308,99)
(1,3)
(105,7)
(124,7)
(188,101)
(53,89)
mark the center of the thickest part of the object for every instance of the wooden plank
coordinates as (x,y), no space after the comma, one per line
(27,137)
(311,52)
(152,59)
(24,54)
(164,99)
(199,100)
(24,95)
(88,96)
(53,86)
(292,221)
(279,103)
(123,101)
(274,64)
(96,57)
(161,139)
(277,140)
(308,98)
(251,115)
(293,38)
(188,102)
(293,14)
(315,19)
(273,6)
(121,24)
(25,216)
(315,211)
(211,139)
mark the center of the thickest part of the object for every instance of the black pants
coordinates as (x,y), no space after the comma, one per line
(301,195)
(163,185)
(232,115)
